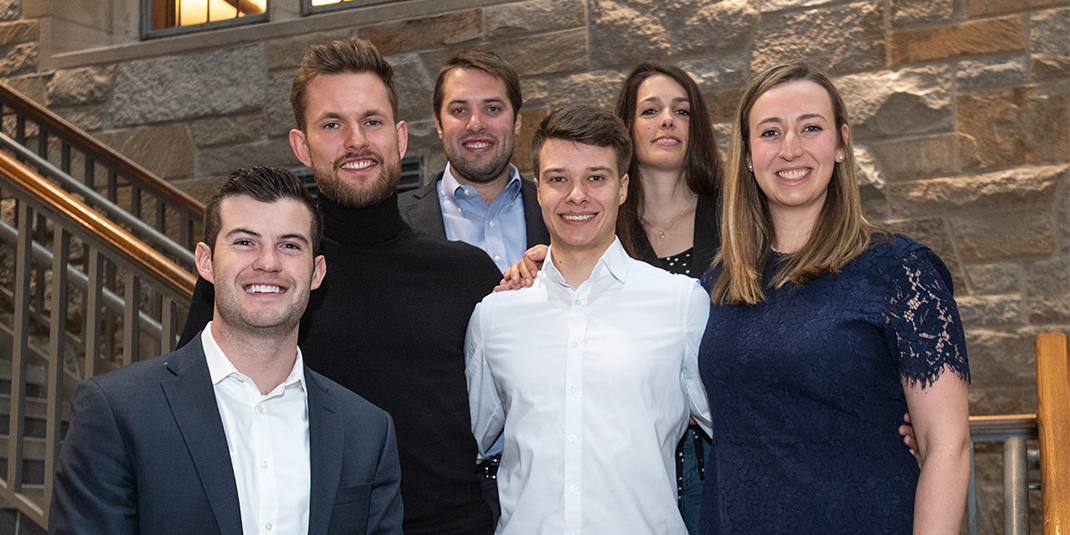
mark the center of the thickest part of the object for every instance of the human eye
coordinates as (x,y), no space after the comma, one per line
(457,110)
(646,112)
(812,128)
(292,247)
(331,125)
(494,109)
(373,122)
(596,178)
(556,178)
(684,111)
(243,242)
(769,132)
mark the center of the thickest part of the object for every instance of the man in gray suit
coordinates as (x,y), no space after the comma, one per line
(231,433)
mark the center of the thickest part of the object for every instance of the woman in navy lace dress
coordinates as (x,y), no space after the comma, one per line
(824,330)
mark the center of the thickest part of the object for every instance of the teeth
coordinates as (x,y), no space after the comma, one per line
(793,175)
(263,289)
(362,164)
(666,140)
(577,217)
(477,145)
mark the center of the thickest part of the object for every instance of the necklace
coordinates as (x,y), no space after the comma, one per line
(661,233)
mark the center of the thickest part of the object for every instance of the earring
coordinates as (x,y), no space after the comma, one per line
(750,168)
(839,158)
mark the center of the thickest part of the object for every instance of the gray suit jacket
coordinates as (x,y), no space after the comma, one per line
(421,210)
(146,453)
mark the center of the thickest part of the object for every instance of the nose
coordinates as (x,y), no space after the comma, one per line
(667,119)
(355,139)
(267,259)
(475,122)
(578,193)
(790,147)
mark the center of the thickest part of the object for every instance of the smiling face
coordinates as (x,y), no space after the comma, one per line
(794,146)
(263,267)
(662,122)
(477,125)
(350,140)
(580,193)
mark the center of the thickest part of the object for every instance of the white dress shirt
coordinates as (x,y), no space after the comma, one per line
(268,441)
(593,387)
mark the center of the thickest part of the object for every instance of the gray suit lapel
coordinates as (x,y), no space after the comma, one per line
(325,450)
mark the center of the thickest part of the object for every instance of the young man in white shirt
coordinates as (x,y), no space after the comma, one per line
(591,372)
(231,433)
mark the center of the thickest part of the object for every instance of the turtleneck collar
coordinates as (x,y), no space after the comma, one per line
(368,226)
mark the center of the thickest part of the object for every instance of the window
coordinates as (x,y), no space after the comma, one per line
(309,7)
(169,17)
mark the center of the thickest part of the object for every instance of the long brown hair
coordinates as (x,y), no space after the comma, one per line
(747,234)
(703,163)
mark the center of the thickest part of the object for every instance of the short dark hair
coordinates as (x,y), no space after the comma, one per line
(486,61)
(267,185)
(342,56)
(587,125)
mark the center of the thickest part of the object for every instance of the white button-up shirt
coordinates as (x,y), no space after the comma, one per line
(593,387)
(268,441)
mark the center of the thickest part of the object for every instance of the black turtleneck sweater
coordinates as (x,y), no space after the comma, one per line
(388,323)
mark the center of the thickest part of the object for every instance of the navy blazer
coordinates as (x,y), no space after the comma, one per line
(421,210)
(146,453)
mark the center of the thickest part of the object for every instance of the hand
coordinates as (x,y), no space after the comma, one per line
(907,430)
(522,273)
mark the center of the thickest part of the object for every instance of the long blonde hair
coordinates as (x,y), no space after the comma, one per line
(747,234)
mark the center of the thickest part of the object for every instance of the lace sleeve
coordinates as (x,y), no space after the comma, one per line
(924,320)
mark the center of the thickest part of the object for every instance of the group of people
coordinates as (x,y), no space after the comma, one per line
(709,346)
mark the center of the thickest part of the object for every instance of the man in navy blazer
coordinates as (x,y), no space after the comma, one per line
(480,198)
(231,433)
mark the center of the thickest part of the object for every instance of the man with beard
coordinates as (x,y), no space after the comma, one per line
(389,320)
(480,197)
(231,433)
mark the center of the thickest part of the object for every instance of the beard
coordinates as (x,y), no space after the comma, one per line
(475,173)
(336,189)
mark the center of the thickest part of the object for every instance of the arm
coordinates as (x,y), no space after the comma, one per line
(95,488)
(522,273)
(488,417)
(385,510)
(697,312)
(940,415)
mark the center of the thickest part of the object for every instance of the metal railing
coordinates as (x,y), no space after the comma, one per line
(81,296)
(1013,431)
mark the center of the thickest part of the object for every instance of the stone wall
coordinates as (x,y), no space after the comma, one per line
(959,111)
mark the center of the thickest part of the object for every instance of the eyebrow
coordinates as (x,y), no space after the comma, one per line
(465,101)
(601,168)
(291,236)
(675,99)
(801,118)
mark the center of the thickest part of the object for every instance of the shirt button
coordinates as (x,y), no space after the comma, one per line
(497,258)
(578,302)
(263,464)
(491,224)
(573,390)
(572,438)
(575,344)
(572,488)
(260,409)
(267,526)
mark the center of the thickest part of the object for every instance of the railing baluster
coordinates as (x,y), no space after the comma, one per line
(16,423)
(42,142)
(161,216)
(65,156)
(113,186)
(20,128)
(168,325)
(94,297)
(89,174)
(56,351)
(131,318)
(185,232)
(1015,488)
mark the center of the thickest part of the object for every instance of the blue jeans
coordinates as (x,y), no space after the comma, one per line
(690,475)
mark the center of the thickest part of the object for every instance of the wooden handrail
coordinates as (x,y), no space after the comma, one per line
(1053,424)
(1003,422)
(100,151)
(118,240)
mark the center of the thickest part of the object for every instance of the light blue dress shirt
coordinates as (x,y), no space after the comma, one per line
(499,229)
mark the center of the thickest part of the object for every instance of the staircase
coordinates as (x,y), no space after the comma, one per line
(95,273)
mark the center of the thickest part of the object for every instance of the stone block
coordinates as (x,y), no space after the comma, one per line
(987,73)
(969,38)
(599,88)
(625,32)
(430,32)
(172,88)
(75,87)
(1019,126)
(549,53)
(33,87)
(1048,285)
(993,279)
(10,9)
(992,399)
(1049,31)
(988,8)
(711,28)
(1000,358)
(88,118)
(280,116)
(871,186)
(415,87)
(227,130)
(1045,67)
(17,32)
(424,142)
(288,52)
(1034,187)
(898,103)
(19,59)
(839,39)
(508,20)
(166,151)
(522,148)
(1004,234)
(933,232)
(907,13)
(223,160)
(904,160)
(777,5)
(712,74)
(536,93)
(723,105)
(989,311)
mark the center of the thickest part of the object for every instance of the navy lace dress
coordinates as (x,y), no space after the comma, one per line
(806,394)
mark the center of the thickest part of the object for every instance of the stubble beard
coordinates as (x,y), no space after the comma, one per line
(479,174)
(336,189)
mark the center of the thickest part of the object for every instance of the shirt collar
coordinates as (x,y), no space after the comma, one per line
(613,261)
(220,367)
(450,182)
